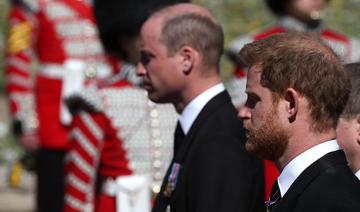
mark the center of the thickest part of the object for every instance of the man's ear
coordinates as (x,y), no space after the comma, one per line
(358,128)
(188,57)
(292,103)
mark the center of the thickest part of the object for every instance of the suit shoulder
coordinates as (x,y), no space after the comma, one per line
(339,188)
(226,119)
(223,123)
(223,134)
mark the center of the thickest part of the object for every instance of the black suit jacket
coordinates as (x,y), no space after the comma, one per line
(217,174)
(326,185)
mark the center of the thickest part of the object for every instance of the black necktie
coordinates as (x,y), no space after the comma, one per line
(179,138)
(275,196)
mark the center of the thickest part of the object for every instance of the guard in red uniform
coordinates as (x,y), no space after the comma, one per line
(122,140)
(121,143)
(57,39)
(293,15)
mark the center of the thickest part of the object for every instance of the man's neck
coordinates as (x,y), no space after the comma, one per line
(195,89)
(193,109)
(300,142)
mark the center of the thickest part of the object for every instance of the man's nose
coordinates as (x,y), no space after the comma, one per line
(140,69)
(244,112)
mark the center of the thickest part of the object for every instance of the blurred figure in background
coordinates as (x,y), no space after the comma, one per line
(348,128)
(58,39)
(293,15)
(121,143)
(1,44)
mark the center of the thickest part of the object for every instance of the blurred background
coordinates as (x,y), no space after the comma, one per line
(238,17)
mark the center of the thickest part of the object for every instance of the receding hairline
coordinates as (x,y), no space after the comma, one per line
(180,10)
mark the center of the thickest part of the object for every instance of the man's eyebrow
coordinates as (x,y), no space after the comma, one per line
(252,94)
(146,52)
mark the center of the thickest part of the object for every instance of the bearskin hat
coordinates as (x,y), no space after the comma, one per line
(123,18)
(278,7)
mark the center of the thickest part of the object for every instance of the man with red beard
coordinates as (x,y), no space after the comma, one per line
(291,114)
(291,15)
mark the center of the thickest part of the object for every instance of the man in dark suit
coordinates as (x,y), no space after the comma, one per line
(296,90)
(181,47)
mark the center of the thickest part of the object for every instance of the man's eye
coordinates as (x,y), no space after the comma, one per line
(251,101)
(145,58)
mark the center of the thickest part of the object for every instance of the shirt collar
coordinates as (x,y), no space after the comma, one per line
(293,169)
(192,110)
(357,174)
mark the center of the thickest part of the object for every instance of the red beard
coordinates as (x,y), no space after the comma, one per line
(270,140)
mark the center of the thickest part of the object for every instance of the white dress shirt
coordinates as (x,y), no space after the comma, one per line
(293,169)
(357,174)
(192,110)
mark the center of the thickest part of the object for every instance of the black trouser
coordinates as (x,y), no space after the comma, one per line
(50,180)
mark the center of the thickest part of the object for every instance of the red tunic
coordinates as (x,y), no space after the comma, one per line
(123,134)
(52,32)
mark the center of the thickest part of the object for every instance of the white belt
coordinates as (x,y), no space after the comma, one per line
(132,193)
(73,73)
(56,71)
(109,187)
(51,71)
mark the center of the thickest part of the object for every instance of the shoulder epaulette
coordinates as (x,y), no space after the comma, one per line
(88,100)
(30,5)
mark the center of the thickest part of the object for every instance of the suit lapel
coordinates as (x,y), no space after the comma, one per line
(206,112)
(289,200)
(203,116)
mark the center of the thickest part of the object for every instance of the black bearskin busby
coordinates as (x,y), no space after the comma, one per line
(119,19)
(278,7)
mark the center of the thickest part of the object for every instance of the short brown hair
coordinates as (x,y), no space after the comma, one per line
(198,31)
(352,107)
(306,64)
